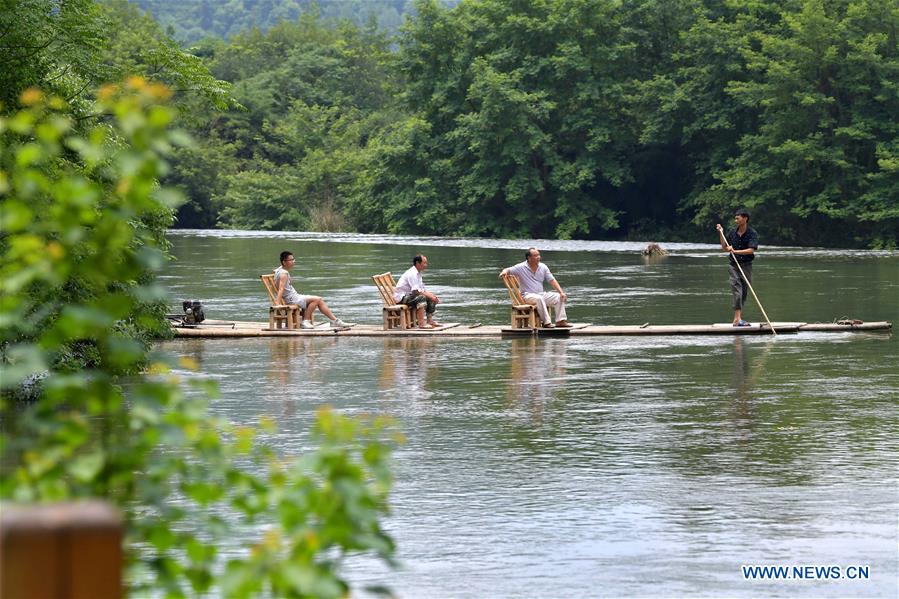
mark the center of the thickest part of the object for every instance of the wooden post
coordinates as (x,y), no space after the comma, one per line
(61,551)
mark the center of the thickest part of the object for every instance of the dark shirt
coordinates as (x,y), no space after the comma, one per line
(749,239)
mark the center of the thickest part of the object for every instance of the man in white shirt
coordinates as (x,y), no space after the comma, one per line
(531,275)
(286,294)
(410,290)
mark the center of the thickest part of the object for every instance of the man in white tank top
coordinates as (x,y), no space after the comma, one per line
(307,303)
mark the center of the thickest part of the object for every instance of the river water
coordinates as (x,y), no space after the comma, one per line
(599,466)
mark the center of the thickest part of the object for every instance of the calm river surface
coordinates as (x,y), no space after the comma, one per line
(603,466)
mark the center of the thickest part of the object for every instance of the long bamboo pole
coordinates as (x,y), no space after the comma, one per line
(742,274)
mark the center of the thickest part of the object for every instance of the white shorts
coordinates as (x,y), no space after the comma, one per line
(299,300)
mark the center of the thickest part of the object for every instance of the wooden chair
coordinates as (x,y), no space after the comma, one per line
(396,316)
(524,315)
(280,316)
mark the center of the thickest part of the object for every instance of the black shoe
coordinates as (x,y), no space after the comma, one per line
(548,325)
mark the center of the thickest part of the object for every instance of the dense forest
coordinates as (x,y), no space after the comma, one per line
(519,118)
(572,118)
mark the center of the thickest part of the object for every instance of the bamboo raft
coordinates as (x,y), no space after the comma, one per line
(216,329)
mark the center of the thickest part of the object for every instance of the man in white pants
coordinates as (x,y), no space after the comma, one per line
(531,275)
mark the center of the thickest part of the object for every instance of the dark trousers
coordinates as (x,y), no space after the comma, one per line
(416,301)
(739,287)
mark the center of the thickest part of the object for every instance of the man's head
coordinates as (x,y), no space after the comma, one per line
(741,215)
(420,262)
(287,259)
(532,256)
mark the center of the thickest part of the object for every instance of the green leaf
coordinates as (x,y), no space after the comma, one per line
(85,468)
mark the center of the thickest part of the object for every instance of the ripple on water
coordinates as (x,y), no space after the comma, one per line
(627,466)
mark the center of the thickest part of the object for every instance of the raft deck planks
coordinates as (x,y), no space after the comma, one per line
(260,329)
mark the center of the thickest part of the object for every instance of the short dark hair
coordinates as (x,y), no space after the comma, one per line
(742,212)
(418,259)
(285,255)
(527,254)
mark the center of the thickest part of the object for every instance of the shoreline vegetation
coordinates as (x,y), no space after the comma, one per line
(572,119)
(566,119)
(584,120)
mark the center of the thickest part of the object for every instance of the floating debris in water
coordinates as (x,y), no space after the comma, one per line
(654,249)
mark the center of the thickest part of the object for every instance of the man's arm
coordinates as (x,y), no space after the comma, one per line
(555,285)
(752,242)
(282,283)
(724,244)
(424,291)
(429,295)
(509,270)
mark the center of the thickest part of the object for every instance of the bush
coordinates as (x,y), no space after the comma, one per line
(89,411)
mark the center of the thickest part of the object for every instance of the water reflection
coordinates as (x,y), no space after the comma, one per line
(746,374)
(743,381)
(192,349)
(297,362)
(654,259)
(645,466)
(408,369)
(536,370)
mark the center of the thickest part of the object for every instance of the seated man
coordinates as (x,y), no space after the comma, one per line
(308,303)
(531,275)
(410,290)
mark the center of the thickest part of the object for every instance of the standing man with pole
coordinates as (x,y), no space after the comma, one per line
(741,242)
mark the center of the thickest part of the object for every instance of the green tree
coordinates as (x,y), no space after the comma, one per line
(394,181)
(311,97)
(52,44)
(72,47)
(80,244)
(524,103)
(570,118)
(191,21)
(818,162)
(136,45)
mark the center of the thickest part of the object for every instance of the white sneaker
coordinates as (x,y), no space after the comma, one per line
(338,324)
(307,324)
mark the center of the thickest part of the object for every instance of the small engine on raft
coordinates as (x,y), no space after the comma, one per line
(193,312)
(192,316)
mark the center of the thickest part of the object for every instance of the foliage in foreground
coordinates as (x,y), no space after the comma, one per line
(77,256)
